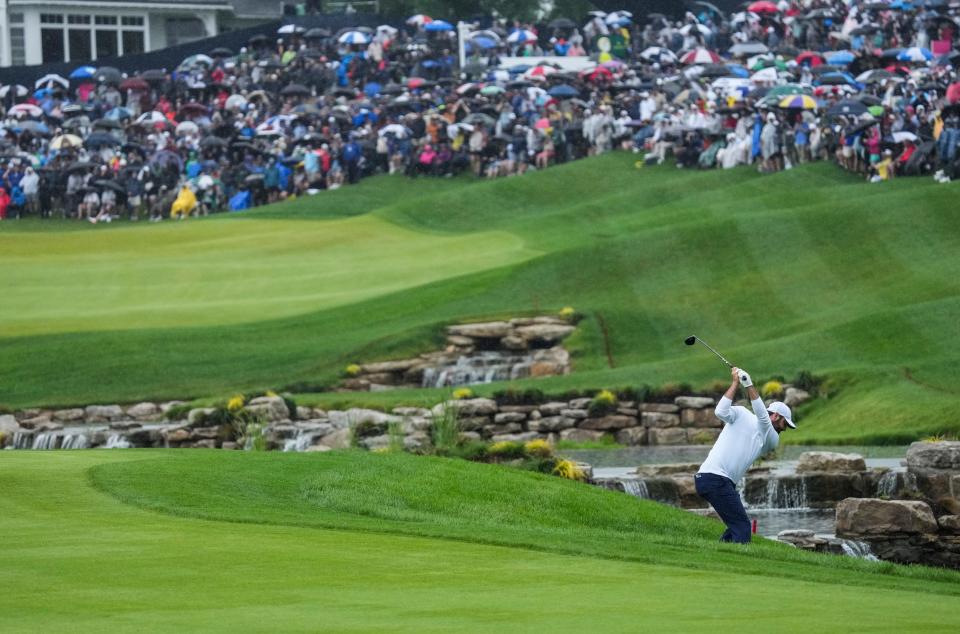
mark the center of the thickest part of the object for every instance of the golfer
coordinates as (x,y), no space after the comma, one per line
(745,437)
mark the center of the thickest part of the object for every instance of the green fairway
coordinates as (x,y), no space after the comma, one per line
(279,542)
(809,269)
(206,273)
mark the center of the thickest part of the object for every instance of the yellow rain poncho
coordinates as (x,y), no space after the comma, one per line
(185,203)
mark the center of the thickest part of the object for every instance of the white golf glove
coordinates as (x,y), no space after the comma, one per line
(745,379)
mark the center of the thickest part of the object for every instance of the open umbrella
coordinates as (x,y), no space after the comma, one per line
(840,58)
(101,139)
(17,90)
(744,49)
(658,54)
(50,80)
(699,56)
(903,136)
(134,83)
(118,114)
(110,184)
(25,110)
(109,75)
(563,91)
(915,54)
(221,51)
(294,90)
(809,58)
(154,75)
(491,90)
(192,109)
(83,72)
(354,37)
(316,33)
(151,117)
(210,142)
(478,118)
(847,107)
(419,20)
(561,23)
(763,6)
(704,30)
(521,35)
(107,124)
(290,29)
(798,102)
(65,141)
(187,127)
(438,25)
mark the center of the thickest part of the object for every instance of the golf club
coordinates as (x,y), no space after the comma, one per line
(692,339)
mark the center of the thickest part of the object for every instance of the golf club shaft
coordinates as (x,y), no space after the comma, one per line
(729,365)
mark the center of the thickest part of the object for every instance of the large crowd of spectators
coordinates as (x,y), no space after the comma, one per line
(870,85)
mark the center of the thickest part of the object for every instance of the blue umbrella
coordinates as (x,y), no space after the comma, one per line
(840,58)
(372,89)
(563,91)
(438,25)
(119,113)
(84,72)
(738,71)
(915,54)
(483,41)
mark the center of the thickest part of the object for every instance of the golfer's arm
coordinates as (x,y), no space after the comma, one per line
(760,411)
(724,410)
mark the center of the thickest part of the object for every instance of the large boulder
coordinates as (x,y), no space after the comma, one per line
(8,425)
(795,396)
(581,435)
(663,408)
(667,436)
(606,423)
(858,517)
(144,411)
(682,468)
(102,413)
(544,333)
(70,415)
(485,330)
(386,367)
(811,461)
(270,408)
(695,402)
(632,436)
(551,423)
(926,456)
(659,419)
(469,407)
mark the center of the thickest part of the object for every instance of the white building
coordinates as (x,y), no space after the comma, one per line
(81,31)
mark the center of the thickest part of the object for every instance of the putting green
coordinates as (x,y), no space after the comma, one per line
(76,560)
(224,270)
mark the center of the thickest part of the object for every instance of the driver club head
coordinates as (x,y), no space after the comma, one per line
(692,339)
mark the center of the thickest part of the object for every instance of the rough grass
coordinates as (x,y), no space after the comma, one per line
(805,270)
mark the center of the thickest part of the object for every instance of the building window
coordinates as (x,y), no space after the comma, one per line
(51,18)
(106,19)
(80,50)
(51,43)
(78,19)
(183,30)
(133,42)
(18,49)
(106,44)
(131,20)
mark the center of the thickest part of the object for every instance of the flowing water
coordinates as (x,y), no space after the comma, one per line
(117,441)
(480,367)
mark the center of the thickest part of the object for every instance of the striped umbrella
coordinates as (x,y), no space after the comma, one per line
(521,35)
(799,102)
(354,37)
(915,54)
(700,56)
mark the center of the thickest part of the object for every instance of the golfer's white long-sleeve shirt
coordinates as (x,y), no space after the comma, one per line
(745,437)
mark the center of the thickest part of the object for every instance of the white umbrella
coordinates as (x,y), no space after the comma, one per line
(454,129)
(394,128)
(52,78)
(290,29)
(617,16)
(235,102)
(151,117)
(18,90)
(187,127)
(65,141)
(658,54)
(25,110)
(419,20)
(387,30)
(521,35)
(900,137)
(354,37)
(703,30)
(768,74)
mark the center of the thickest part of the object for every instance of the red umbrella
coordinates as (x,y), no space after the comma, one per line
(898,68)
(134,83)
(415,82)
(810,58)
(953,92)
(763,7)
(700,56)
(598,74)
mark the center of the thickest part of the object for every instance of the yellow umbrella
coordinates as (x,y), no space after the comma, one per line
(65,141)
(802,102)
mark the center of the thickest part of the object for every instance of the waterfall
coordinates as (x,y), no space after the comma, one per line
(786,493)
(635,487)
(75,441)
(117,441)
(860,550)
(22,440)
(480,367)
(887,485)
(46,441)
(302,442)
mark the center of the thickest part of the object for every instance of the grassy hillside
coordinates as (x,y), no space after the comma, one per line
(805,270)
(357,542)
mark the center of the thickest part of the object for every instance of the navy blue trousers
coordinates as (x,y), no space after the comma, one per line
(722,495)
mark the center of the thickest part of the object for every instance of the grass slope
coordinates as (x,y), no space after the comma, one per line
(242,545)
(807,269)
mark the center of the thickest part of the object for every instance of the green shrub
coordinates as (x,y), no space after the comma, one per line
(530,396)
(248,430)
(368,428)
(395,433)
(807,382)
(178,412)
(538,448)
(702,437)
(603,403)
(475,450)
(445,430)
(635,394)
(5,409)
(506,450)
(352,370)
(462,393)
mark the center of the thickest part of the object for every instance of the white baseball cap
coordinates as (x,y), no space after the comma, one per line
(778,407)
